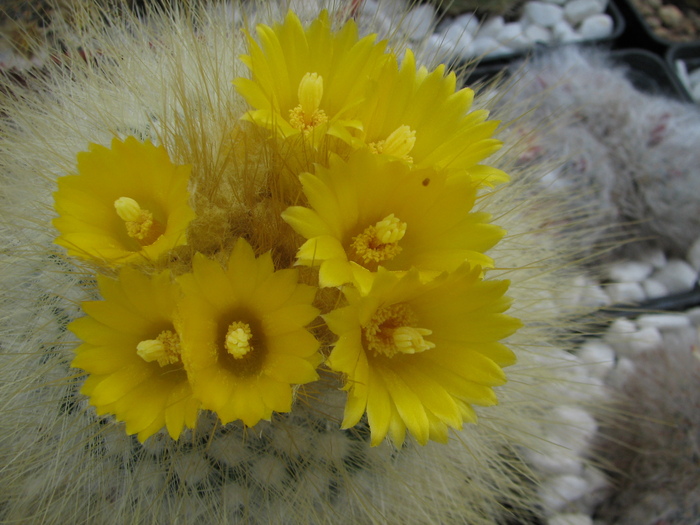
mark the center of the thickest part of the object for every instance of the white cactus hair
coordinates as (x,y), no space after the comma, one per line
(167,77)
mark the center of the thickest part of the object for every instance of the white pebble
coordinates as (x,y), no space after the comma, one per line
(570,519)
(512,36)
(502,50)
(536,33)
(573,429)
(565,33)
(624,369)
(663,321)
(468,21)
(553,459)
(484,45)
(437,47)
(695,92)
(678,276)
(543,14)
(654,256)
(491,27)
(654,289)
(598,356)
(557,491)
(619,328)
(460,40)
(418,22)
(557,2)
(629,271)
(596,26)
(594,296)
(576,11)
(694,76)
(693,256)
(625,293)
(694,315)
(644,340)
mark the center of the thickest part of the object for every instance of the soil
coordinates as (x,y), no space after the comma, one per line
(674,20)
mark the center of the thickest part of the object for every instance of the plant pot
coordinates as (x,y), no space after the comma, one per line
(684,59)
(651,74)
(641,33)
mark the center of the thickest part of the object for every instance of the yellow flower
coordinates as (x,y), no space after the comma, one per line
(243,338)
(376,211)
(131,352)
(417,355)
(128,203)
(418,116)
(308,81)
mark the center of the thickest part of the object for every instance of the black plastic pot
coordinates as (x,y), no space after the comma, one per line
(618,29)
(650,73)
(639,33)
(688,53)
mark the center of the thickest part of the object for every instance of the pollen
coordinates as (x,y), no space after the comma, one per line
(379,242)
(165,349)
(139,223)
(307,115)
(399,143)
(238,339)
(392,330)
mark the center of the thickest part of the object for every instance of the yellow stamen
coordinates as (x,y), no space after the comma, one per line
(140,224)
(238,339)
(399,143)
(307,115)
(379,242)
(392,331)
(165,349)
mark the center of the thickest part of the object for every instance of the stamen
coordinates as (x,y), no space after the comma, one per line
(379,242)
(238,339)
(392,331)
(307,115)
(399,143)
(165,349)
(140,224)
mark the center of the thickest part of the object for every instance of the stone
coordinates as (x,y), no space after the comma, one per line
(644,340)
(693,256)
(598,357)
(677,276)
(563,32)
(694,76)
(596,26)
(460,40)
(553,459)
(469,22)
(629,271)
(594,296)
(663,321)
(671,16)
(573,428)
(512,36)
(654,256)
(418,22)
(625,293)
(484,45)
(491,27)
(694,315)
(576,11)
(535,33)
(556,492)
(654,289)
(570,519)
(543,14)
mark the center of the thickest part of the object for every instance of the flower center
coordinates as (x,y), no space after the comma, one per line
(140,224)
(392,330)
(399,143)
(238,339)
(165,349)
(379,242)
(307,115)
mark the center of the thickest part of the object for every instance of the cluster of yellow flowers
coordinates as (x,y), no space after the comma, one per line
(374,175)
